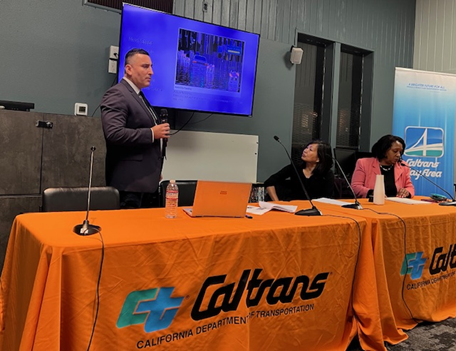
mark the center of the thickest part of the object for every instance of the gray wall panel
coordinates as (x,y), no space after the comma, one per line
(435,48)
(38,158)
(20,145)
(67,152)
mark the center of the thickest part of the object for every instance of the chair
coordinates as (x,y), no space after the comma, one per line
(341,189)
(363,154)
(75,199)
(347,160)
(187,189)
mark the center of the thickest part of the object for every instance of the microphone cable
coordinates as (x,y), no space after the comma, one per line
(405,257)
(187,122)
(97,291)
(41,163)
(202,120)
(182,127)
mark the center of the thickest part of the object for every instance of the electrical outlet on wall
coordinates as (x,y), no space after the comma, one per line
(113,52)
(112,68)
(113,59)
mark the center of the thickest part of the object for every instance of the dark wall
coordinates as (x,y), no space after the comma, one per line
(55,53)
(34,159)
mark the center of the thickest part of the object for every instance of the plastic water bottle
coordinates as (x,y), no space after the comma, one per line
(172,198)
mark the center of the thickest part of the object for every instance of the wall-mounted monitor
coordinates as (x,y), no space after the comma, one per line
(197,66)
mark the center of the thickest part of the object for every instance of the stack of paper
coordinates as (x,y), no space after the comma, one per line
(268,206)
(407,201)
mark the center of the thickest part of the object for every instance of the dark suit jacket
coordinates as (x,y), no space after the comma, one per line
(133,161)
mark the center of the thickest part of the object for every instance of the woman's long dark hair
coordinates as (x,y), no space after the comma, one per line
(381,147)
(325,155)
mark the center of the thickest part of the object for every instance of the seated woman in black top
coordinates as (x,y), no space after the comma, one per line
(315,173)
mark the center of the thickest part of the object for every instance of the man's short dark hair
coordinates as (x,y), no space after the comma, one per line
(133,52)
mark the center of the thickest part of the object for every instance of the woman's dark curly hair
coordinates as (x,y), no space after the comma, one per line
(380,148)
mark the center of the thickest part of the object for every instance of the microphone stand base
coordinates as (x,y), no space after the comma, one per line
(309,212)
(452,203)
(86,229)
(354,206)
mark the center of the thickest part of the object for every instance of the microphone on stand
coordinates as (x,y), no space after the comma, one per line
(164,119)
(311,211)
(453,201)
(86,228)
(356,205)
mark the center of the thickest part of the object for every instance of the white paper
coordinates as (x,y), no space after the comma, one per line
(268,206)
(256,210)
(407,201)
(273,206)
(325,200)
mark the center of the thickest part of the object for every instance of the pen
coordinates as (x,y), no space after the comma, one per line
(249,217)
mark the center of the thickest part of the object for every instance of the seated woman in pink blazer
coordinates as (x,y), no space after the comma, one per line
(387,152)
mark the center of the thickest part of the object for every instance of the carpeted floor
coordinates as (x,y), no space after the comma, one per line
(424,337)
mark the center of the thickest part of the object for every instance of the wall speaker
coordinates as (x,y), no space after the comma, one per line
(295,55)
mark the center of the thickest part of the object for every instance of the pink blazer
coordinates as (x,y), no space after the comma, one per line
(364,176)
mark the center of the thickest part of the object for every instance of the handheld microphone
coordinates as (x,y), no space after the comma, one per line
(356,205)
(163,115)
(453,201)
(164,119)
(86,228)
(311,211)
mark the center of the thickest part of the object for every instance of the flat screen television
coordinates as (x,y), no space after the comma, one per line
(197,66)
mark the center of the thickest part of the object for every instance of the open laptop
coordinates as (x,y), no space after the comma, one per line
(220,199)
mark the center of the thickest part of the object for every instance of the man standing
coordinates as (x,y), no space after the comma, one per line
(133,134)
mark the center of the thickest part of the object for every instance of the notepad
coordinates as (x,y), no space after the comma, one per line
(407,201)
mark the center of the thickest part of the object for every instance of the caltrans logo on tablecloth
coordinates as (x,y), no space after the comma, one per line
(413,264)
(155,308)
(424,142)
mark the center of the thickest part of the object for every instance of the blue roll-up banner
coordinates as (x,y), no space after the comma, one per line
(424,114)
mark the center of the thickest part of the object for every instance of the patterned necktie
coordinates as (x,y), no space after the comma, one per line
(149,106)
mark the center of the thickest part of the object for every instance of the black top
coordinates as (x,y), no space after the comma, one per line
(390,185)
(316,186)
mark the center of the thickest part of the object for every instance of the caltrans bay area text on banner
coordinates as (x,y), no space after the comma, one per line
(424,114)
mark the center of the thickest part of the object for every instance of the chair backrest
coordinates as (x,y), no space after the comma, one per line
(75,199)
(186,188)
(347,160)
(363,154)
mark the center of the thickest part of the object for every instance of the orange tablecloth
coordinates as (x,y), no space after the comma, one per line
(414,251)
(274,282)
